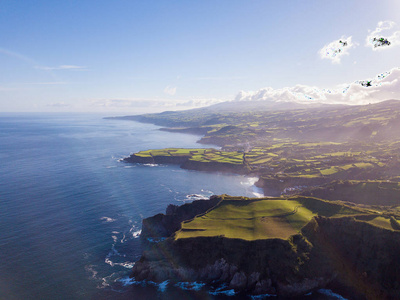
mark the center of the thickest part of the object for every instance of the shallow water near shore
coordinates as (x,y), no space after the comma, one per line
(71,211)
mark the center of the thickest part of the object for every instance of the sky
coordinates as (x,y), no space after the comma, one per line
(128,56)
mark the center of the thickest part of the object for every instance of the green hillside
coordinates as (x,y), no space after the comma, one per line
(265,218)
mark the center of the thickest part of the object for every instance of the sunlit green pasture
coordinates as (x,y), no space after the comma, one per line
(252,219)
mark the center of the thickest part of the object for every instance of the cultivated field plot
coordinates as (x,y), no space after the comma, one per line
(202,155)
(172,152)
(252,219)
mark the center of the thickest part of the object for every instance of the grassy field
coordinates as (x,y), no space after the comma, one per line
(252,219)
(294,159)
(381,222)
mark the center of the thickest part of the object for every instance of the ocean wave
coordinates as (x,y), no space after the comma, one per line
(258,195)
(223,291)
(331,294)
(126,281)
(93,273)
(127,264)
(151,165)
(263,296)
(249,181)
(103,282)
(156,240)
(107,219)
(190,286)
(163,285)
(204,194)
(193,197)
(136,234)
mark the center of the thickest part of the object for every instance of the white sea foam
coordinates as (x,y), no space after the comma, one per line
(156,240)
(131,281)
(127,264)
(133,232)
(249,183)
(103,282)
(258,195)
(204,194)
(151,165)
(163,285)
(109,262)
(263,296)
(127,281)
(123,239)
(107,219)
(90,269)
(331,294)
(136,234)
(193,286)
(193,197)
(223,291)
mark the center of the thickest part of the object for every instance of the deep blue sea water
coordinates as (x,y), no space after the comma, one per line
(70,211)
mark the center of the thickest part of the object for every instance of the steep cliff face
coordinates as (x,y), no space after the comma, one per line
(271,266)
(176,160)
(164,225)
(344,252)
(186,163)
(366,258)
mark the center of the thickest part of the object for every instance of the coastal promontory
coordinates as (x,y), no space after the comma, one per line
(280,246)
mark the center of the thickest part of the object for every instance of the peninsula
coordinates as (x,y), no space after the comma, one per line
(296,242)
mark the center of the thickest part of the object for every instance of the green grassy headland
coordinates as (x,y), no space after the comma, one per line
(262,218)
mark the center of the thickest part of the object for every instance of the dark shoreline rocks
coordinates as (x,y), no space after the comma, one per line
(164,225)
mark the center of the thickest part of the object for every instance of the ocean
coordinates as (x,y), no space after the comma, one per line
(71,211)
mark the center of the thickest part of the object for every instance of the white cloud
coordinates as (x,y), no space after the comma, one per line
(62,67)
(170,90)
(218,78)
(200,102)
(383,87)
(384,36)
(336,49)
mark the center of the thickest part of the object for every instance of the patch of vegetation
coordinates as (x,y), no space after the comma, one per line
(252,219)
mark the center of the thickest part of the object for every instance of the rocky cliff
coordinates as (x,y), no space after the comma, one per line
(343,252)
(164,225)
(186,163)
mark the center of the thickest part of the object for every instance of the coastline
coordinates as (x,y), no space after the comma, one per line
(301,264)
